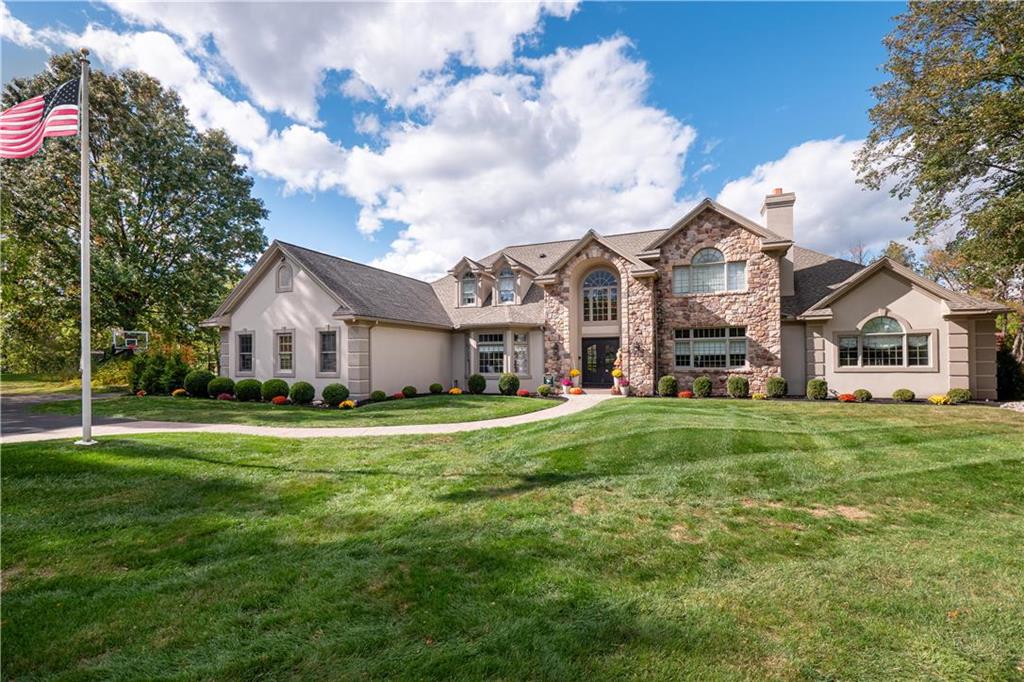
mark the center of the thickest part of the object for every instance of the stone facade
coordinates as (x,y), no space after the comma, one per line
(757,309)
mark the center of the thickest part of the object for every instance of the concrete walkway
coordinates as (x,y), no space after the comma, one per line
(36,427)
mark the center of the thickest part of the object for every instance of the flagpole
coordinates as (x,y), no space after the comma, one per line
(83,108)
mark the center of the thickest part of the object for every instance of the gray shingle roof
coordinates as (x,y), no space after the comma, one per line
(372,292)
(530,311)
(815,276)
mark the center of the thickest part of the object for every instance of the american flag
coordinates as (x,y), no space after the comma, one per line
(24,126)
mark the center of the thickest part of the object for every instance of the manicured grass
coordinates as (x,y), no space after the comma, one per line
(35,384)
(644,539)
(435,409)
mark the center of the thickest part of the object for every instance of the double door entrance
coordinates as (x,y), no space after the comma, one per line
(599,361)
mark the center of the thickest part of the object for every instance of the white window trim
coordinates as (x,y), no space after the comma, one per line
(616,308)
(505,354)
(861,368)
(320,374)
(515,292)
(727,339)
(476,291)
(238,350)
(277,277)
(724,292)
(278,372)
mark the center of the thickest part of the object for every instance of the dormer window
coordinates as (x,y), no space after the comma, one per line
(468,292)
(506,286)
(284,277)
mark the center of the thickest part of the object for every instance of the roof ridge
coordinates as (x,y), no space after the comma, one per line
(829,256)
(351,262)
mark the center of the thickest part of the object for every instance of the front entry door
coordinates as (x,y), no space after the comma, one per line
(599,361)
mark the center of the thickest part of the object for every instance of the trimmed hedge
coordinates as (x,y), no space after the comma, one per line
(272,388)
(863,395)
(903,395)
(409,391)
(702,387)
(378,396)
(175,371)
(544,390)
(958,395)
(302,393)
(196,382)
(508,384)
(817,389)
(477,383)
(668,386)
(737,386)
(249,390)
(436,389)
(775,387)
(219,385)
(335,394)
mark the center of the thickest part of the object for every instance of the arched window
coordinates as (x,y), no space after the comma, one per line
(284,277)
(468,289)
(600,297)
(709,273)
(883,342)
(506,286)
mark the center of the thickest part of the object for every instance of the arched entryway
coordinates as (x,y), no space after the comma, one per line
(599,319)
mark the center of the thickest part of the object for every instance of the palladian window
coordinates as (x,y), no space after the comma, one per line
(468,291)
(506,286)
(600,297)
(708,273)
(883,342)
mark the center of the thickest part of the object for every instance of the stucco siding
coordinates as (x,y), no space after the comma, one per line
(794,357)
(304,311)
(403,356)
(533,378)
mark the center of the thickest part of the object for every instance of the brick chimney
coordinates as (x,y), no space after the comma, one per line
(777,210)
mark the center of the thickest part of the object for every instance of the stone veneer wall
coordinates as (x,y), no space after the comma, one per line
(636,309)
(757,309)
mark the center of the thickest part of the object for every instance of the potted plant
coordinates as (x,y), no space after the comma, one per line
(566,384)
(574,374)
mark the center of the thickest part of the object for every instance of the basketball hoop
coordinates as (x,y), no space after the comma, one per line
(129,341)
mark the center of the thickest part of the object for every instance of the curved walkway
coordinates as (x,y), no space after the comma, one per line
(126,427)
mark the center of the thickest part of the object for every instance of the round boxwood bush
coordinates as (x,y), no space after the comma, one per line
(737,386)
(302,393)
(903,395)
(668,387)
(476,383)
(958,395)
(249,390)
(817,389)
(409,391)
(196,382)
(775,387)
(544,390)
(335,394)
(378,396)
(436,389)
(508,384)
(862,395)
(219,386)
(702,387)
(272,388)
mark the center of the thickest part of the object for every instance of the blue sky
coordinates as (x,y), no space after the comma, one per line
(461,137)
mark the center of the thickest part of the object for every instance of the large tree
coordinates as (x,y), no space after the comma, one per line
(174,221)
(949,134)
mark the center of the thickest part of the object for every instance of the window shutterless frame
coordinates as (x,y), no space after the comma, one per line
(245,353)
(284,353)
(328,340)
(884,344)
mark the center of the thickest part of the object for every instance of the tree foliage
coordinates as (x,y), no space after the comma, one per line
(173,220)
(902,254)
(949,134)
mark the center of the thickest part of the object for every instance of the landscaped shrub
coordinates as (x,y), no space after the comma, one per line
(274,388)
(508,384)
(409,391)
(958,395)
(847,398)
(138,367)
(454,390)
(335,394)
(302,393)
(224,396)
(817,389)
(523,393)
(152,381)
(378,396)
(398,395)
(702,387)
(759,396)
(279,400)
(903,395)
(140,394)
(347,404)
(544,390)
(775,387)
(737,386)
(179,393)
(476,383)
(220,385)
(436,389)
(668,386)
(863,395)
(249,390)
(173,376)
(196,382)
(938,399)
(684,394)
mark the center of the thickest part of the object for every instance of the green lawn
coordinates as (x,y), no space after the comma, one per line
(643,539)
(34,384)
(436,409)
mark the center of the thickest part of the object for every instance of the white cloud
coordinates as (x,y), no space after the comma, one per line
(17,31)
(281,51)
(832,212)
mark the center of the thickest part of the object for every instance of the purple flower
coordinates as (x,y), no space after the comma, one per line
(567,381)
(623,382)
